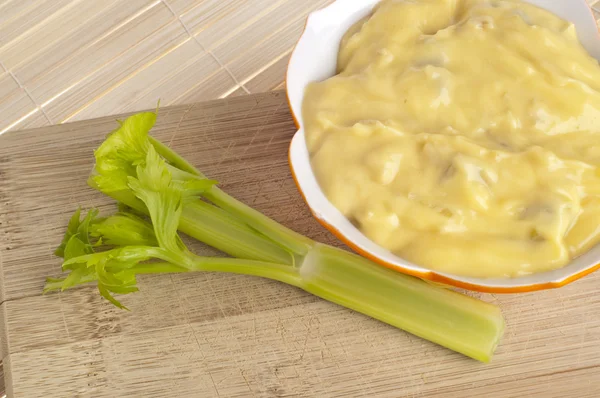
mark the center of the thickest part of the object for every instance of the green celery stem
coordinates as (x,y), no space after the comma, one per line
(216,228)
(450,319)
(282,273)
(173,157)
(453,320)
(210,225)
(285,237)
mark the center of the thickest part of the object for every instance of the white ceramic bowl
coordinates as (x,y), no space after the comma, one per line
(314,59)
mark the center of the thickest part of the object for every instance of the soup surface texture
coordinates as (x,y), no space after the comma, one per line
(463,136)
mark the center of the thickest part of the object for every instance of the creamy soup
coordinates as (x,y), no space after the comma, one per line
(463,135)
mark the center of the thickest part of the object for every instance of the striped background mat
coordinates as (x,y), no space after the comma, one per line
(65,60)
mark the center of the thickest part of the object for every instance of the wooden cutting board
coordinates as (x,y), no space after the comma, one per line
(213,335)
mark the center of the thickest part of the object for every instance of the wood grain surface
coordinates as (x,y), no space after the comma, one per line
(215,335)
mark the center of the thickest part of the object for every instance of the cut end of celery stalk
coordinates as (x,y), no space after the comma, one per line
(450,319)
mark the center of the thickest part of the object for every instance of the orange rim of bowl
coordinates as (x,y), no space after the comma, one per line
(431,276)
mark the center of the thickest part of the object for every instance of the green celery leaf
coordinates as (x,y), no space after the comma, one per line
(125,229)
(106,278)
(83,231)
(53,284)
(111,269)
(57,284)
(80,229)
(162,198)
(122,289)
(71,230)
(75,248)
(124,255)
(104,292)
(74,278)
(122,151)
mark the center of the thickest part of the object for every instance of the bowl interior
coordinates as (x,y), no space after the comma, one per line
(315,58)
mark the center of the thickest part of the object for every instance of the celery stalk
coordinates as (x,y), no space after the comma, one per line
(206,223)
(216,228)
(456,321)
(152,179)
(284,236)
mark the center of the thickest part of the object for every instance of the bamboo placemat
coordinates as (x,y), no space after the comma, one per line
(66,60)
